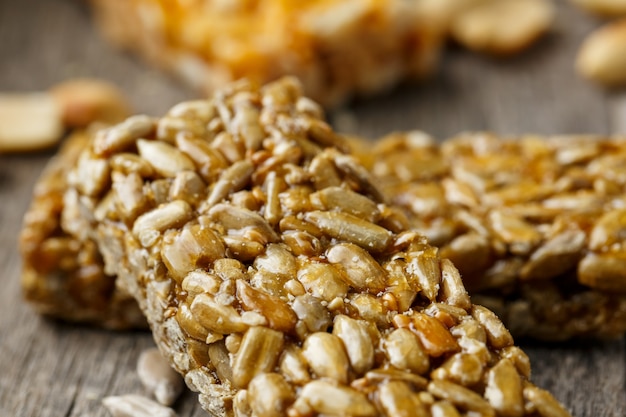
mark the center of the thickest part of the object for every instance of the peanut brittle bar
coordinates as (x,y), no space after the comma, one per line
(337,48)
(535,225)
(277,280)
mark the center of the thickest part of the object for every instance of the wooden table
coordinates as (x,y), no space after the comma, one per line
(57,369)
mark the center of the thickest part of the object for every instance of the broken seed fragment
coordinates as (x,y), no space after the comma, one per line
(133,405)
(156,374)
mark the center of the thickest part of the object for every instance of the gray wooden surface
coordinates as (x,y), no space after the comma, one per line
(56,369)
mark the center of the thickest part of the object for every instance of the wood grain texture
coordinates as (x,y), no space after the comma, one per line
(56,369)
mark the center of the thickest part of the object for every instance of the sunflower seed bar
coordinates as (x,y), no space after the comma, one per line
(536,225)
(337,48)
(277,280)
(63,275)
(418,176)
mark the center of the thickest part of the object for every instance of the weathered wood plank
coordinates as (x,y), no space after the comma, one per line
(588,377)
(55,369)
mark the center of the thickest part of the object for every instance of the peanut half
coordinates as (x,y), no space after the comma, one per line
(29,122)
(86,100)
(602,56)
(503,27)
(603,8)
